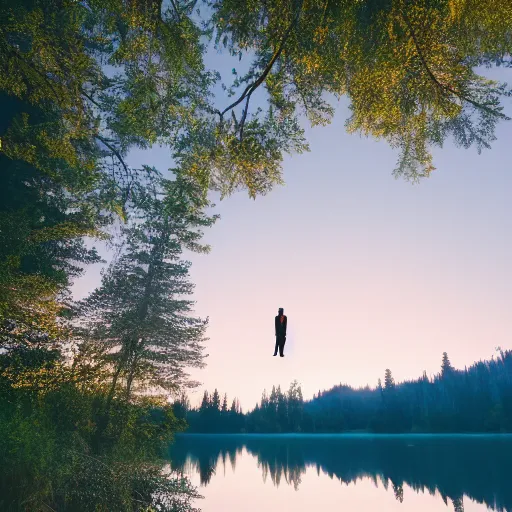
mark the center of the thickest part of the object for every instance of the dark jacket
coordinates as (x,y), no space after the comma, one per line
(281,327)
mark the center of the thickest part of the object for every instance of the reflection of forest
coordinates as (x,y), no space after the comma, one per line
(475,466)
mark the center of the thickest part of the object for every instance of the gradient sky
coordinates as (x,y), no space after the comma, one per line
(373,272)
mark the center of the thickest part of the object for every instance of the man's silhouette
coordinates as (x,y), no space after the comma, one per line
(281,321)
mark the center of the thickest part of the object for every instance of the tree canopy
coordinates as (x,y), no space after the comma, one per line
(130,74)
(408,68)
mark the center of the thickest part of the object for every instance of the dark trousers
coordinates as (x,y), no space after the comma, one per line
(280,341)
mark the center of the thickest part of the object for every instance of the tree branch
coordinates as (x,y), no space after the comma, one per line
(46,81)
(114,151)
(443,88)
(175,7)
(254,85)
(244,115)
(90,98)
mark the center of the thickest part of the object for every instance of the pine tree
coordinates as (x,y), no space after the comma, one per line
(282,410)
(264,399)
(389,382)
(184,401)
(205,403)
(139,314)
(181,406)
(225,403)
(295,406)
(458,504)
(215,403)
(446,366)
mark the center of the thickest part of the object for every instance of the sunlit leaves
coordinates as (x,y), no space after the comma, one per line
(407,67)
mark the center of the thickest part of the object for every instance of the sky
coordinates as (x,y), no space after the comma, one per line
(372,272)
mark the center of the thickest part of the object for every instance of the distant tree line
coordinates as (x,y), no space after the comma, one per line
(476,399)
(213,415)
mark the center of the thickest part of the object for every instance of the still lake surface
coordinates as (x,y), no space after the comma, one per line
(347,472)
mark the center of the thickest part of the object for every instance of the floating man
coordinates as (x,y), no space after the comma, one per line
(280,321)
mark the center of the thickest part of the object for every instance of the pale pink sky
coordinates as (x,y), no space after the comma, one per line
(372,272)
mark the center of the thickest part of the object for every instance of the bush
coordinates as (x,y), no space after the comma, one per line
(55,455)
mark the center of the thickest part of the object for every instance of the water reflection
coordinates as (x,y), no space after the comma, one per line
(455,466)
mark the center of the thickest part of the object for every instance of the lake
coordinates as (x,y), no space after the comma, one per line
(350,472)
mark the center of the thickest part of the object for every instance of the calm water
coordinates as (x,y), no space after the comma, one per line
(348,472)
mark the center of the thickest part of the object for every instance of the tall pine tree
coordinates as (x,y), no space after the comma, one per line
(446,366)
(389,382)
(139,314)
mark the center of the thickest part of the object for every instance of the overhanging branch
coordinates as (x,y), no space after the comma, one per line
(443,88)
(176,10)
(114,151)
(254,85)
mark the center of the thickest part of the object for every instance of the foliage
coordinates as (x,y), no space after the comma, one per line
(139,317)
(49,459)
(407,68)
(131,74)
(81,84)
(43,219)
(121,74)
(210,416)
(84,83)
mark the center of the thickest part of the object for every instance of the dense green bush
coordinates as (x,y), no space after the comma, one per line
(55,456)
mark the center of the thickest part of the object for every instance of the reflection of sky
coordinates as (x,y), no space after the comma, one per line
(452,466)
(372,272)
(243,488)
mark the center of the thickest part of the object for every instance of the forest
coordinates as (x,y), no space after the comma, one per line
(85,385)
(477,399)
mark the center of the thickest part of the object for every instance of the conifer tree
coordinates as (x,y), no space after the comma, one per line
(215,403)
(205,403)
(139,314)
(295,406)
(446,365)
(389,382)
(44,216)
